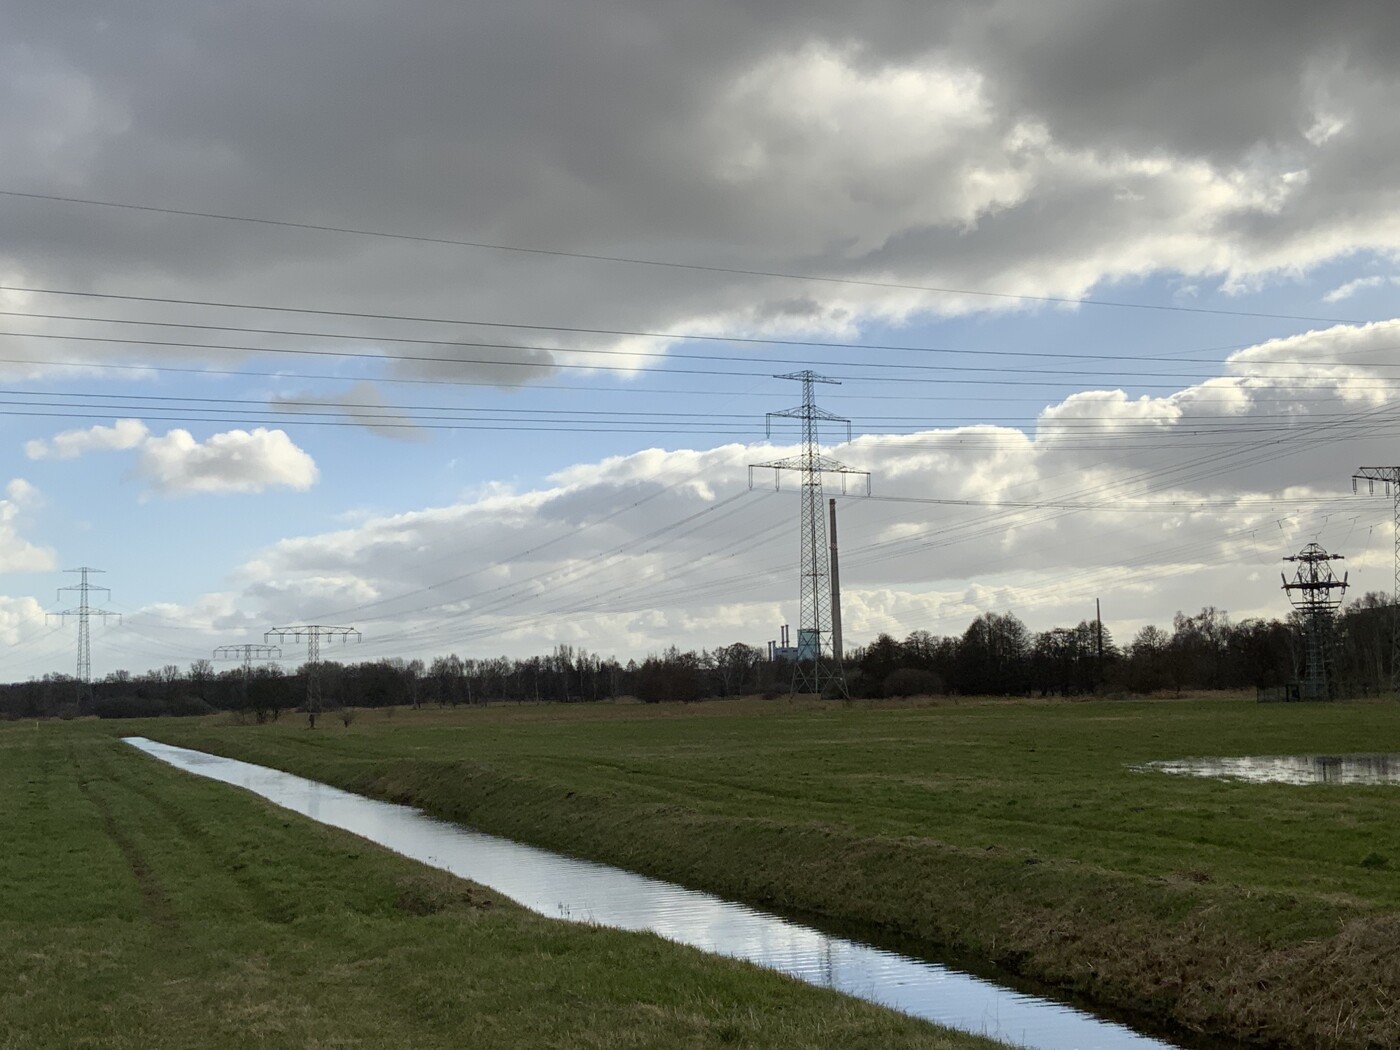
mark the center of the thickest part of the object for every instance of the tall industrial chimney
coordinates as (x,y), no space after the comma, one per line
(837,652)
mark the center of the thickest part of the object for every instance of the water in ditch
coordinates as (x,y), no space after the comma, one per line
(1288,769)
(568,888)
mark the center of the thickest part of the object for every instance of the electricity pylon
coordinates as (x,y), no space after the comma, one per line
(246,652)
(1311,594)
(817,665)
(1390,477)
(83,612)
(313,633)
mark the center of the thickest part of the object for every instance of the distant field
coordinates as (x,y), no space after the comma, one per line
(1016,831)
(144,909)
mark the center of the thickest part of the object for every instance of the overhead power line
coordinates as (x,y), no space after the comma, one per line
(676,337)
(1052,377)
(663,263)
(370,411)
(1173,357)
(649,392)
(465,322)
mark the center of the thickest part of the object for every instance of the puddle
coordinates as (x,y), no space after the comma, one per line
(568,888)
(1288,769)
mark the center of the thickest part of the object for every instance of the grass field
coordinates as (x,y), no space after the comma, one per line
(151,910)
(1015,831)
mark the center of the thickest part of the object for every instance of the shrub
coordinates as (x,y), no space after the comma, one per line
(912,681)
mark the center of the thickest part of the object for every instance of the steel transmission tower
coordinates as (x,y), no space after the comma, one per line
(818,665)
(313,633)
(1311,594)
(1390,477)
(84,612)
(246,653)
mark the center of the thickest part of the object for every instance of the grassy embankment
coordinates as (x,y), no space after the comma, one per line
(147,909)
(1012,831)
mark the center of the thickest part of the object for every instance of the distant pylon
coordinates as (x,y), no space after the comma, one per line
(1390,476)
(83,612)
(817,666)
(246,652)
(313,633)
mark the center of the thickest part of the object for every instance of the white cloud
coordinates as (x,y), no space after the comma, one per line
(176,464)
(22,493)
(234,461)
(16,553)
(1346,291)
(1152,504)
(19,618)
(122,435)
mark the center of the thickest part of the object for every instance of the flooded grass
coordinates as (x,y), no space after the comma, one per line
(145,909)
(1288,769)
(1015,832)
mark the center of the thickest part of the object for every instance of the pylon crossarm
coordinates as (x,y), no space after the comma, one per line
(313,633)
(247,652)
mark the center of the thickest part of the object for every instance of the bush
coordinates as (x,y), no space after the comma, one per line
(913,681)
(131,706)
(862,686)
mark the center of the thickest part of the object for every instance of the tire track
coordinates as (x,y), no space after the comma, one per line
(155,901)
(255,893)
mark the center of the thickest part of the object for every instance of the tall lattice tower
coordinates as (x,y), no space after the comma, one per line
(1390,477)
(1311,592)
(84,612)
(313,633)
(818,666)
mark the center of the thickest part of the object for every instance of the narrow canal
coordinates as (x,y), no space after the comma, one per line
(582,891)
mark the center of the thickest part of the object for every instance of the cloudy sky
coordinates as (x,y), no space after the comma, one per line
(458,323)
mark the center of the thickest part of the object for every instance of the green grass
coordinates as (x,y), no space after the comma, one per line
(145,908)
(1017,832)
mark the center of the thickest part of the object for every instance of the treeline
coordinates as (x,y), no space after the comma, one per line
(997,655)
(264,692)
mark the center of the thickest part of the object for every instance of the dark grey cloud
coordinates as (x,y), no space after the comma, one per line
(1020,145)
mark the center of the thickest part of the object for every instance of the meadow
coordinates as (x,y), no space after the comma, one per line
(146,909)
(1022,834)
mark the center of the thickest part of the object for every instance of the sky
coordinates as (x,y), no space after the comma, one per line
(459,323)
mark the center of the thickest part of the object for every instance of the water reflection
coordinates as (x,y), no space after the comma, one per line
(1289,769)
(579,890)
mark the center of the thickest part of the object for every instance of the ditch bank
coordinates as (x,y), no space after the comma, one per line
(1228,962)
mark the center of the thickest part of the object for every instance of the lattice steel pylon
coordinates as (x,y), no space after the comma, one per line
(817,667)
(313,633)
(246,652)
(1311,594)
(84,612)
(1390,477)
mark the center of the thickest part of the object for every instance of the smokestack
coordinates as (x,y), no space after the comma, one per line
(1098,631)
(836,651)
